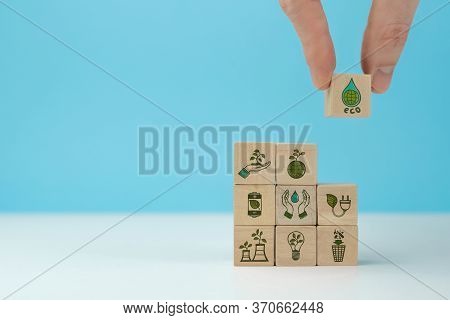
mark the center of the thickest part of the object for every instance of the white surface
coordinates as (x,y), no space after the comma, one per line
(189,256)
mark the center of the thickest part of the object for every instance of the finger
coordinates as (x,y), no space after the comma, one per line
(311,25)
(384,39)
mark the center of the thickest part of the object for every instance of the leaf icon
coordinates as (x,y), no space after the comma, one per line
(331,200)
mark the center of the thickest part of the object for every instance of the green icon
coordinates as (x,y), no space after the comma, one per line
(245,251)
(338,247)
(260,249)
(289,202)
(345,204)
(257,163)
(296,240)
(351,96)
(254,204)
(296,169)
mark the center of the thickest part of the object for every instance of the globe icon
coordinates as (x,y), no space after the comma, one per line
(351,98)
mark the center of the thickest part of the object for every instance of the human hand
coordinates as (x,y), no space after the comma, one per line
(302,206)
(287,204)
(259,163)
(384,38)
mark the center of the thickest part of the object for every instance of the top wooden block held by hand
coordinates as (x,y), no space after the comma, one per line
(348,96)
(254,163)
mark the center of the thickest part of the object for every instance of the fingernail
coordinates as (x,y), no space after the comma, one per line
(382,78)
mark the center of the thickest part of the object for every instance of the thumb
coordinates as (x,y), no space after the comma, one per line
(385,38)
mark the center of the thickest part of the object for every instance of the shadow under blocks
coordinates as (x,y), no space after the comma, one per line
(283,217)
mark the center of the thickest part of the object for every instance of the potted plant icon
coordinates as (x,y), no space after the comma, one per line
(260,247)
(296,169)
(345,204)
(338,248)
(245,252)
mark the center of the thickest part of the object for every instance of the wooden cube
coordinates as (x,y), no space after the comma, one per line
(254,204)
(295,246)
(337,204)
(254,163)
(348,96)
(254,245)
(337,245)
(296,205)
(296,164)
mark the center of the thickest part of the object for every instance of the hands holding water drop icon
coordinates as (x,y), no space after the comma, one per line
(288,203)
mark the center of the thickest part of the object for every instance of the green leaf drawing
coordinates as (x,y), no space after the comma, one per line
(254,204)
(331,200)
(264,241)
(241,247)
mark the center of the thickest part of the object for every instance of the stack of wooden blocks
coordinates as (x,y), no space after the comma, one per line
(283,217)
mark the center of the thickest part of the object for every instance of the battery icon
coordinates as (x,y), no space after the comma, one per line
(254,204)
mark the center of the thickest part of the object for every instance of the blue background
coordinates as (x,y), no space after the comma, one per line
(69,131)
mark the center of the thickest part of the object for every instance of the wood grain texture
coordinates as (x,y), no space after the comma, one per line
(337,204)
(296,170)
(254,204)
(289,212)
(337,245)
(291,252)
(335,102)
(254,245)
(251,169)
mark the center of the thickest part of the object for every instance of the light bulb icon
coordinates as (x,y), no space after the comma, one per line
(296,240)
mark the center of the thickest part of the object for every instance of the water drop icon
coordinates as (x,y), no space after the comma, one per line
(294,197)
(351,96)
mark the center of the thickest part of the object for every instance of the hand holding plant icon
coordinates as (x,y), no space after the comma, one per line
(258,163)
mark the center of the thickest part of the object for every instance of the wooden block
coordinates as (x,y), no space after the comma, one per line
(337,204)
(337,245)
(296,164)
(348,96)
(296,205)
(295,246)
(254,245)
(254,163)
(254,204)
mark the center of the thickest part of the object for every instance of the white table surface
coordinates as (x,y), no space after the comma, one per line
(189,256)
